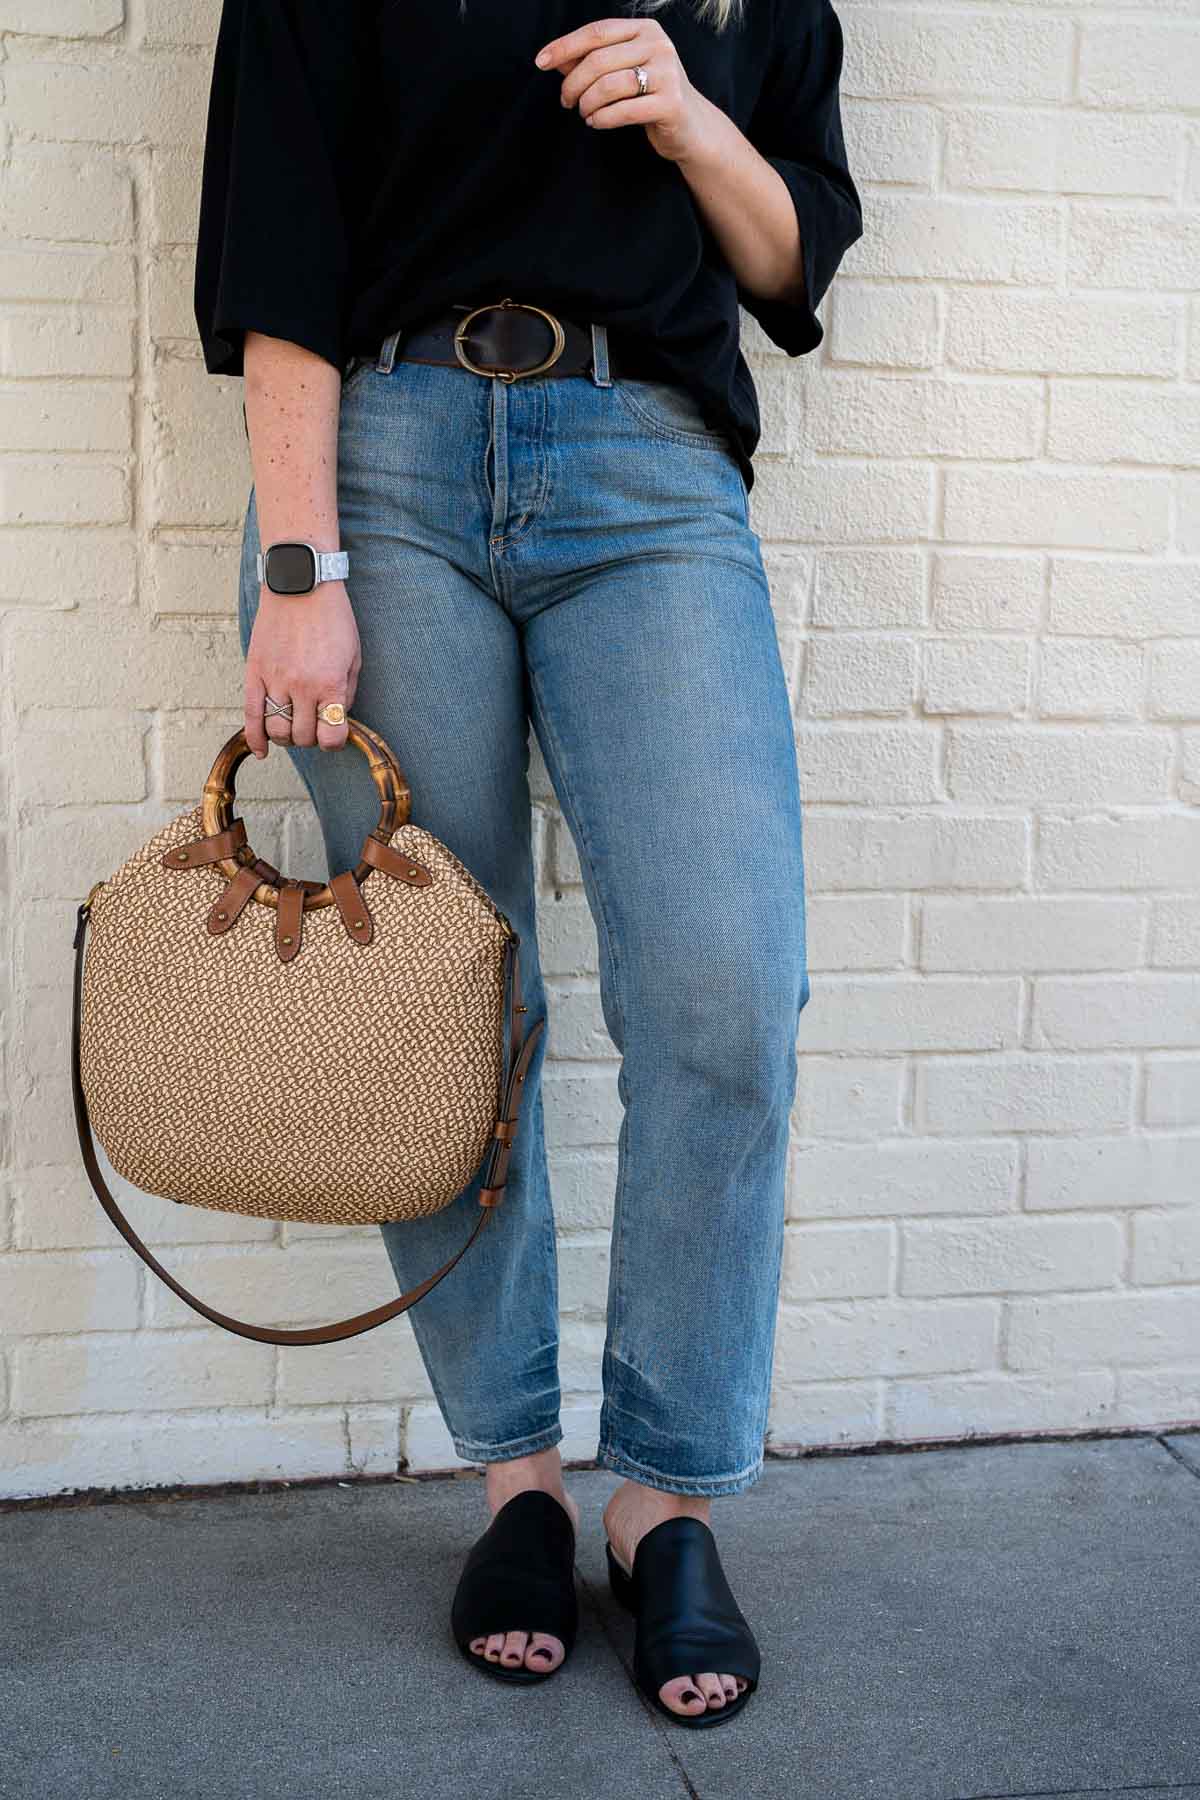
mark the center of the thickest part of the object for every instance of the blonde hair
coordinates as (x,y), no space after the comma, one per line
(717,13)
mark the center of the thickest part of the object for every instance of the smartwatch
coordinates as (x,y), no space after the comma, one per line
(293,568)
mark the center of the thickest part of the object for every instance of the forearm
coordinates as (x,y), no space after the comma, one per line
(292,401)
(746,205)
(303,650)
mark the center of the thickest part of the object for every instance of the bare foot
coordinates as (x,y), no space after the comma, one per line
(536,1650)
(633,1511)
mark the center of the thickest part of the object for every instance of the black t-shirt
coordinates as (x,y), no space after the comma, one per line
(369,162)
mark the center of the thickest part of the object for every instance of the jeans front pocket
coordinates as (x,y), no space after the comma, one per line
(671,409)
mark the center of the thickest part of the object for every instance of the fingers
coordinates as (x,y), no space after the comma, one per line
(278,726)
(560,52)
(604,106)
(332,737)
(304,725)
(255,695)
(608,70)
(306,660)
(304,718)
(307,725)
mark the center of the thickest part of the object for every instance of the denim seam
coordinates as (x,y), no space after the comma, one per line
(568,799)
(541,500)
(690,556)
(511,537)
(563,786)
(679,434)
(609,1457)
(471,1451)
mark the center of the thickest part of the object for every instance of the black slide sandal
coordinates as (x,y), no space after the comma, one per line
(519,1576)
(688,1622)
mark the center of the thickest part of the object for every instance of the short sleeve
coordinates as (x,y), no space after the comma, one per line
(273,248)
(797,126)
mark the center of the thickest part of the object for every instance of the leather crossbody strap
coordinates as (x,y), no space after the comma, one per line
(521,1046)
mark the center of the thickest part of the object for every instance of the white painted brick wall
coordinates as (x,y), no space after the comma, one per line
(980,511)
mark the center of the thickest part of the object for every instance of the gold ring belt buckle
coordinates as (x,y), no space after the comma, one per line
(560,340)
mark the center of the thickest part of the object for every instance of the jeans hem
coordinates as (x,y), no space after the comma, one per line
(703,1486)
(526,1446)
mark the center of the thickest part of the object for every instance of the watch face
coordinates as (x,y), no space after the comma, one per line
(290,569)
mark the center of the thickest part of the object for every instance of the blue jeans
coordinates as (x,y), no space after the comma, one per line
(576,550)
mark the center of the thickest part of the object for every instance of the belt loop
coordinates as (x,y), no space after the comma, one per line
(599,369)
(387,353)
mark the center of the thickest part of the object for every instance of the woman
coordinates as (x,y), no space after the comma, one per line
(480,268)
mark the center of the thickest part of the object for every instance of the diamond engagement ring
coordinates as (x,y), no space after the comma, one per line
(333,713)
(283,708)
(643,80)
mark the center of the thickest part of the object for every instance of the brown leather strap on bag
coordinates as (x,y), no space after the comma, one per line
(521,1048)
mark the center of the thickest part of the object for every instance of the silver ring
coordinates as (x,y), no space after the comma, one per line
(273,707)
(643,80)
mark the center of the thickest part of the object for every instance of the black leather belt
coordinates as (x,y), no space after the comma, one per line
(511,339)
(515,340)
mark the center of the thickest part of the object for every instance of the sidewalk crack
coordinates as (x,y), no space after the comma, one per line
(662,1730)
(1186,1461)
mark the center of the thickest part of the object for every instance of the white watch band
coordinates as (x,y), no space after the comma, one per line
(332,565)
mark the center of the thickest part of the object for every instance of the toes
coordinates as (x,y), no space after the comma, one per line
(683,1696)
(710,1687)
(544,1653)
(537,1651)
(694,1694)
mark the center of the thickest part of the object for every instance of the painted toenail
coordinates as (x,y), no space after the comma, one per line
(690,1695)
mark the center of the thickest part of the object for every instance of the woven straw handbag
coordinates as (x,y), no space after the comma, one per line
(331,1054)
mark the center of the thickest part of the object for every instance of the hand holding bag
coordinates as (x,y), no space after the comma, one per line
(329,1054)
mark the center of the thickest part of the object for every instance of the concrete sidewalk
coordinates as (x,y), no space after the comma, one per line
(987,1621)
